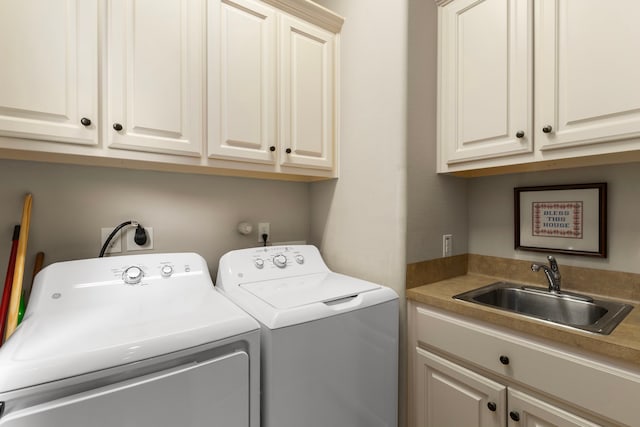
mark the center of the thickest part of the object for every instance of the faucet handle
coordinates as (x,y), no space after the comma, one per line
(552,273)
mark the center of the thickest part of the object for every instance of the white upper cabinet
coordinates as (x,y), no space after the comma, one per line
(485,98)
(49,71)
(232,87)
(587,62)
(242,81)
(155,76)
(272,86)
(579,56)
(306,94)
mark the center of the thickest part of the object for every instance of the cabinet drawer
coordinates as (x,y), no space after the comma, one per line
(569,376)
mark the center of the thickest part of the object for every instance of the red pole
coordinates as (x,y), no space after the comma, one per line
(6,294)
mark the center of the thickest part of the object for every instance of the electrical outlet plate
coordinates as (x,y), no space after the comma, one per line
(116,243)
(131,245)
(264,228)
(447,244)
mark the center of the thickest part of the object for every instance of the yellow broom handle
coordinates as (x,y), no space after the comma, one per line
(18,273)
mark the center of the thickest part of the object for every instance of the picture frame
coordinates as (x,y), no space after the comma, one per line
(569,219)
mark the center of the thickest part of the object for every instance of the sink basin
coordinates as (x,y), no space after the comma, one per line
(566,309)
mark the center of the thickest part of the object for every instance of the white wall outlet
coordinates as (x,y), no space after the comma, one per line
(447,245)
(264,228)
(115,245)
(131,245)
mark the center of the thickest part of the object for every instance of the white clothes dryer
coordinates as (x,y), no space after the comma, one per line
(141,340)
(329,341)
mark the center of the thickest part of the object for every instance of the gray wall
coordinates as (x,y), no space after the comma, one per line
(187,212)
(359,221)
(389,207)
(491,218)
(436,204)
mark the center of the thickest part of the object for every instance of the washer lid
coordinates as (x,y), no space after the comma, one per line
(83,317)
(299,291)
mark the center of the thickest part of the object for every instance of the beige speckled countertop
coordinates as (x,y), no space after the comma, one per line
(623,343)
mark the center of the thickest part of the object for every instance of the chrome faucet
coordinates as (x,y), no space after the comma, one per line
(552,272)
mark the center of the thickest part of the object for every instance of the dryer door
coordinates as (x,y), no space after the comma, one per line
(215,392)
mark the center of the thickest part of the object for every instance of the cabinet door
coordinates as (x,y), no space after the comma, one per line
(155,78)
(587,61)
(448,395)
(527,411)
(48,76)
(485,75)
(307,86)
(241,80)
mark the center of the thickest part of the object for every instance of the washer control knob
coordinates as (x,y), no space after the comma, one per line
(299,259)
(259,263)
(132,275)
(166,271)
(280,261)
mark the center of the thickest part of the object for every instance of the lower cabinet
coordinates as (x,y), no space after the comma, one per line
(449,395)
(467,373)
(527,411)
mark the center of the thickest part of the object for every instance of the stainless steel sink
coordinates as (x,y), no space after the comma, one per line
(568,309)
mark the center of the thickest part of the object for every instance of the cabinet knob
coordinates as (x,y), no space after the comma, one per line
(547,129)
(504,360)
(514,416)
(85,121)
(492,406)
(520,134)
(272,148)
(117,127)
(288,150)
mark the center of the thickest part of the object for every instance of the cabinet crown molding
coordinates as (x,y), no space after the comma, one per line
(311,12)
(442,2)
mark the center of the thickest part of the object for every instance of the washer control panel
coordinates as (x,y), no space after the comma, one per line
(282,258)
(271,262)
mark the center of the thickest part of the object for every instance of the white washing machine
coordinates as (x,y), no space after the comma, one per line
(329,341)
(135,341)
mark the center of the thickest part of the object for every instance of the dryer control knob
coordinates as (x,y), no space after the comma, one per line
(280,261)
(132,275)
(299,259)
(166,271)
(259,263)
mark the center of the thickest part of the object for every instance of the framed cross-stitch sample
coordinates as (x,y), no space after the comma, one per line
(570,219)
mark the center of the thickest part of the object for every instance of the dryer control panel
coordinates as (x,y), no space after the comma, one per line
(142,271)
(111,280)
